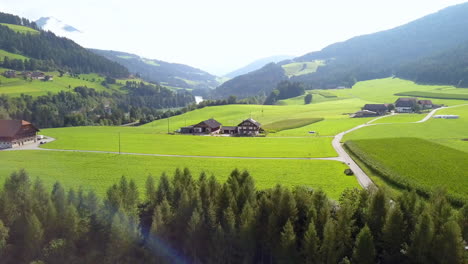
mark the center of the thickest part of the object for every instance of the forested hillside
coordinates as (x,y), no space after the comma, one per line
(186,220)
(86,106)
(414,51)
(170,74)
(49,52)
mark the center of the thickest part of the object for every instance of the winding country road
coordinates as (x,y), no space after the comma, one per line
(343,156)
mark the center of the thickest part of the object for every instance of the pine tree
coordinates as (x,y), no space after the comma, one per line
(3,237)
(377,213)
(463,221)
(420,247)
(246,233)
(344,226)
(364,251)
(150,189)
(311,244)
(288,244)
(329,244)
(448,244)
(392,236)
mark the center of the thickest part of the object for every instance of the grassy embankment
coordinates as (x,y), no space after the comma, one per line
(20,29)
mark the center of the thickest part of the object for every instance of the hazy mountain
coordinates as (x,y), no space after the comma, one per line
(57,26)
(377,55)
(257,65)
(170,74)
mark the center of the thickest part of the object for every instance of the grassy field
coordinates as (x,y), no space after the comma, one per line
(99,171)
(456,96)
(384,90)
(300,68)
(21,29)
(4,53)
(449,132)
(290,124)
(416,163)
(143,140)
(401,118)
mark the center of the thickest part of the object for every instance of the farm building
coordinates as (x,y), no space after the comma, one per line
(14,133)
(249,127)
(446,116)
(405,104)
(38,75)
(365,113)
(230,130)
(380,109)
(426,104)
(204,127)
(9,74)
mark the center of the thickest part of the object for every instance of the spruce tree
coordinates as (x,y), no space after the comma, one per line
(376,214)
(3,237)
(364,251)
(288,244)
(448,244)
(393,236)
(311,245)
(329,244)
(420,248)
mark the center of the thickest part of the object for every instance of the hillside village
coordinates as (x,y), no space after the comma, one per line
(401,105)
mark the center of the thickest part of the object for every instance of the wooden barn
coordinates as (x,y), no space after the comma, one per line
(14,133)
(249,127)
(205,127)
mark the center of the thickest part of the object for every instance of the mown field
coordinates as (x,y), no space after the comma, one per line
(290,124)
(416,163)
(300,68)
(4,53)
(20,29)
(143,140)
(456,96)
(449,132)
(99,171)
(400,118)
(18,86)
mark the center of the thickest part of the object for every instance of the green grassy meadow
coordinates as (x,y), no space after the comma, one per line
(99,171)
(400,118)
(137,140)
(456,96)
(290,124)
(301,68)
(4,53)
(20,29)
(416,163)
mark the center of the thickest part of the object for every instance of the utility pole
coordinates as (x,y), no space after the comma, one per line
(168,125)
(119,144)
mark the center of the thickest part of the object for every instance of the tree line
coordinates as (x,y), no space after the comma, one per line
(56,53)
(285,90)
(86,106)
(16,20)
(182,219)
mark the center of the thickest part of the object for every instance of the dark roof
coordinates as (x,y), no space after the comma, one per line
(9,128)
(405,103)
(425,102)
(251,121)
(211,123)
(375,107)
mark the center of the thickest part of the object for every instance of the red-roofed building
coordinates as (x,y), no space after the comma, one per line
(14,133)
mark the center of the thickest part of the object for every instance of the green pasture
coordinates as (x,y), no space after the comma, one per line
(455,96)
(301,68)
(317,97)
(99,171)
(20,29)
(400,118)
(144,140)
(4,53)
(384,90)
(231,115)
(449,132)
(18,86)
(290,124)
(416,163)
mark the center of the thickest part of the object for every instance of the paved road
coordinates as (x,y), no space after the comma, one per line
(361,176)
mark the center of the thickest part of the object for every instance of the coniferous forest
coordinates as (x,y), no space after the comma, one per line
(183,219)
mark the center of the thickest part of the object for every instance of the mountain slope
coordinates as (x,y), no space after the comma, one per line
(48,52)
(381,54)
(257,65)
(170,74)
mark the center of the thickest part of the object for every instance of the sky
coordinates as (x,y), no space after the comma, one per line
(220,36)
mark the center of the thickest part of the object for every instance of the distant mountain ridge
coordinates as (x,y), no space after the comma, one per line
(165,73)
(378,55)
(257,65)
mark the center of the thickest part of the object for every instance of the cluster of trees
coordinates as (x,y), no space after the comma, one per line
(186,220)
(285,90)
(86,106)
(27,64)
(16,20)
(57,53)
